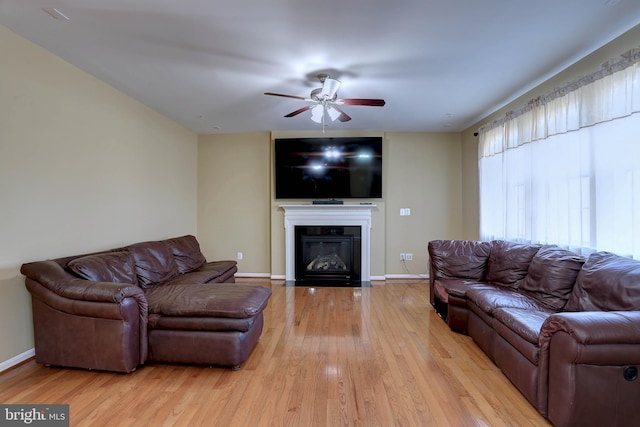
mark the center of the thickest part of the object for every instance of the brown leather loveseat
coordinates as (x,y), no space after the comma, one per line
(564,329)
(151,301)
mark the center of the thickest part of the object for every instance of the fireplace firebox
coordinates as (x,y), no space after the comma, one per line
(328,255)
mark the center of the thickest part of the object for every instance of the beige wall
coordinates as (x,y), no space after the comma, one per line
(233,199)
(470,186)
(424,174)
(82,167)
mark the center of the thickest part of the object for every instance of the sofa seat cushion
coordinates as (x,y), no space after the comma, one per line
(186,252)
(480,314)
(224,270)
(154,263)
(221,267)
(459,287)
(521,328)
(220,300)
(509,262)
(489,300)
(115,267)
(193,277)
(201,323)
(525,323)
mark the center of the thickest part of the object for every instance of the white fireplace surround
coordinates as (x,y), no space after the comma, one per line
(327,215)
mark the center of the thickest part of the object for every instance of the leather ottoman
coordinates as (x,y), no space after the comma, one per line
(192,324)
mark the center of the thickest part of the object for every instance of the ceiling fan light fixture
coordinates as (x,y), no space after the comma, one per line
(317,113)
(329,88)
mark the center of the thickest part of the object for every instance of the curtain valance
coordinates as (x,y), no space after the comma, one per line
(609,93)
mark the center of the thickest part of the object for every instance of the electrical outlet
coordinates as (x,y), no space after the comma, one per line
(408,257)
(240,256)
(401,257)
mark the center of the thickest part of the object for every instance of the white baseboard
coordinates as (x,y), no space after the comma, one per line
(7,364)
(407,276)
(283,277)
(373,278)
(253,275)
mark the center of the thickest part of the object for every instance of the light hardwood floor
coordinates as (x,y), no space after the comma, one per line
(377,356)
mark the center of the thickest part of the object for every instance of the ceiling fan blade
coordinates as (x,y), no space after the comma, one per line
(301,110)
(285,96)
(361,101)
(343,117)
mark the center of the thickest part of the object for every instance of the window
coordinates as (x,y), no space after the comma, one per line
(565,169)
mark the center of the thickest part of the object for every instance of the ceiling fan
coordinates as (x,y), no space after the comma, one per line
(324,101)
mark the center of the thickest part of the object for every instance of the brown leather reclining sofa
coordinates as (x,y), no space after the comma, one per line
(151,301)
(565,330)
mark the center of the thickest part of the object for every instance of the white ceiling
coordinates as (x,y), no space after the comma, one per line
(441,65)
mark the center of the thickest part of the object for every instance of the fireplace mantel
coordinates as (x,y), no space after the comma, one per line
(327,215)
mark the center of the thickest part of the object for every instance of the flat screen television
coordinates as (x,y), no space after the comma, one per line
(328,168)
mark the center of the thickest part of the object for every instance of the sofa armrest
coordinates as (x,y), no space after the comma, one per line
(91,307)
(53,277)
(594,327)
(110,319)
(589,362)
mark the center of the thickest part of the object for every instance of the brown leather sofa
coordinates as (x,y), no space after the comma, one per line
(152,301)
(564,330)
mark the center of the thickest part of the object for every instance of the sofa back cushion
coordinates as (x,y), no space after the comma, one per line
(186,252)
(459,259)
(552,274)
(509,262)
(154,262)
(606,282)
(105,267)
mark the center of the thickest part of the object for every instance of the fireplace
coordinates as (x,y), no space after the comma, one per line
(326,217)
(328,255)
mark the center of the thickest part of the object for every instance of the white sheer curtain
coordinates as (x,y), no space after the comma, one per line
(565,169)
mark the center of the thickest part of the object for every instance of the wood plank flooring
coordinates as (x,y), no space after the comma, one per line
(377,356)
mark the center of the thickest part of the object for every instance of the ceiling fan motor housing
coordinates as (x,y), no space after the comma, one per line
(317,95)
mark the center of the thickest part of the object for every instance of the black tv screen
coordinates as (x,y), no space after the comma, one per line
(328,168)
